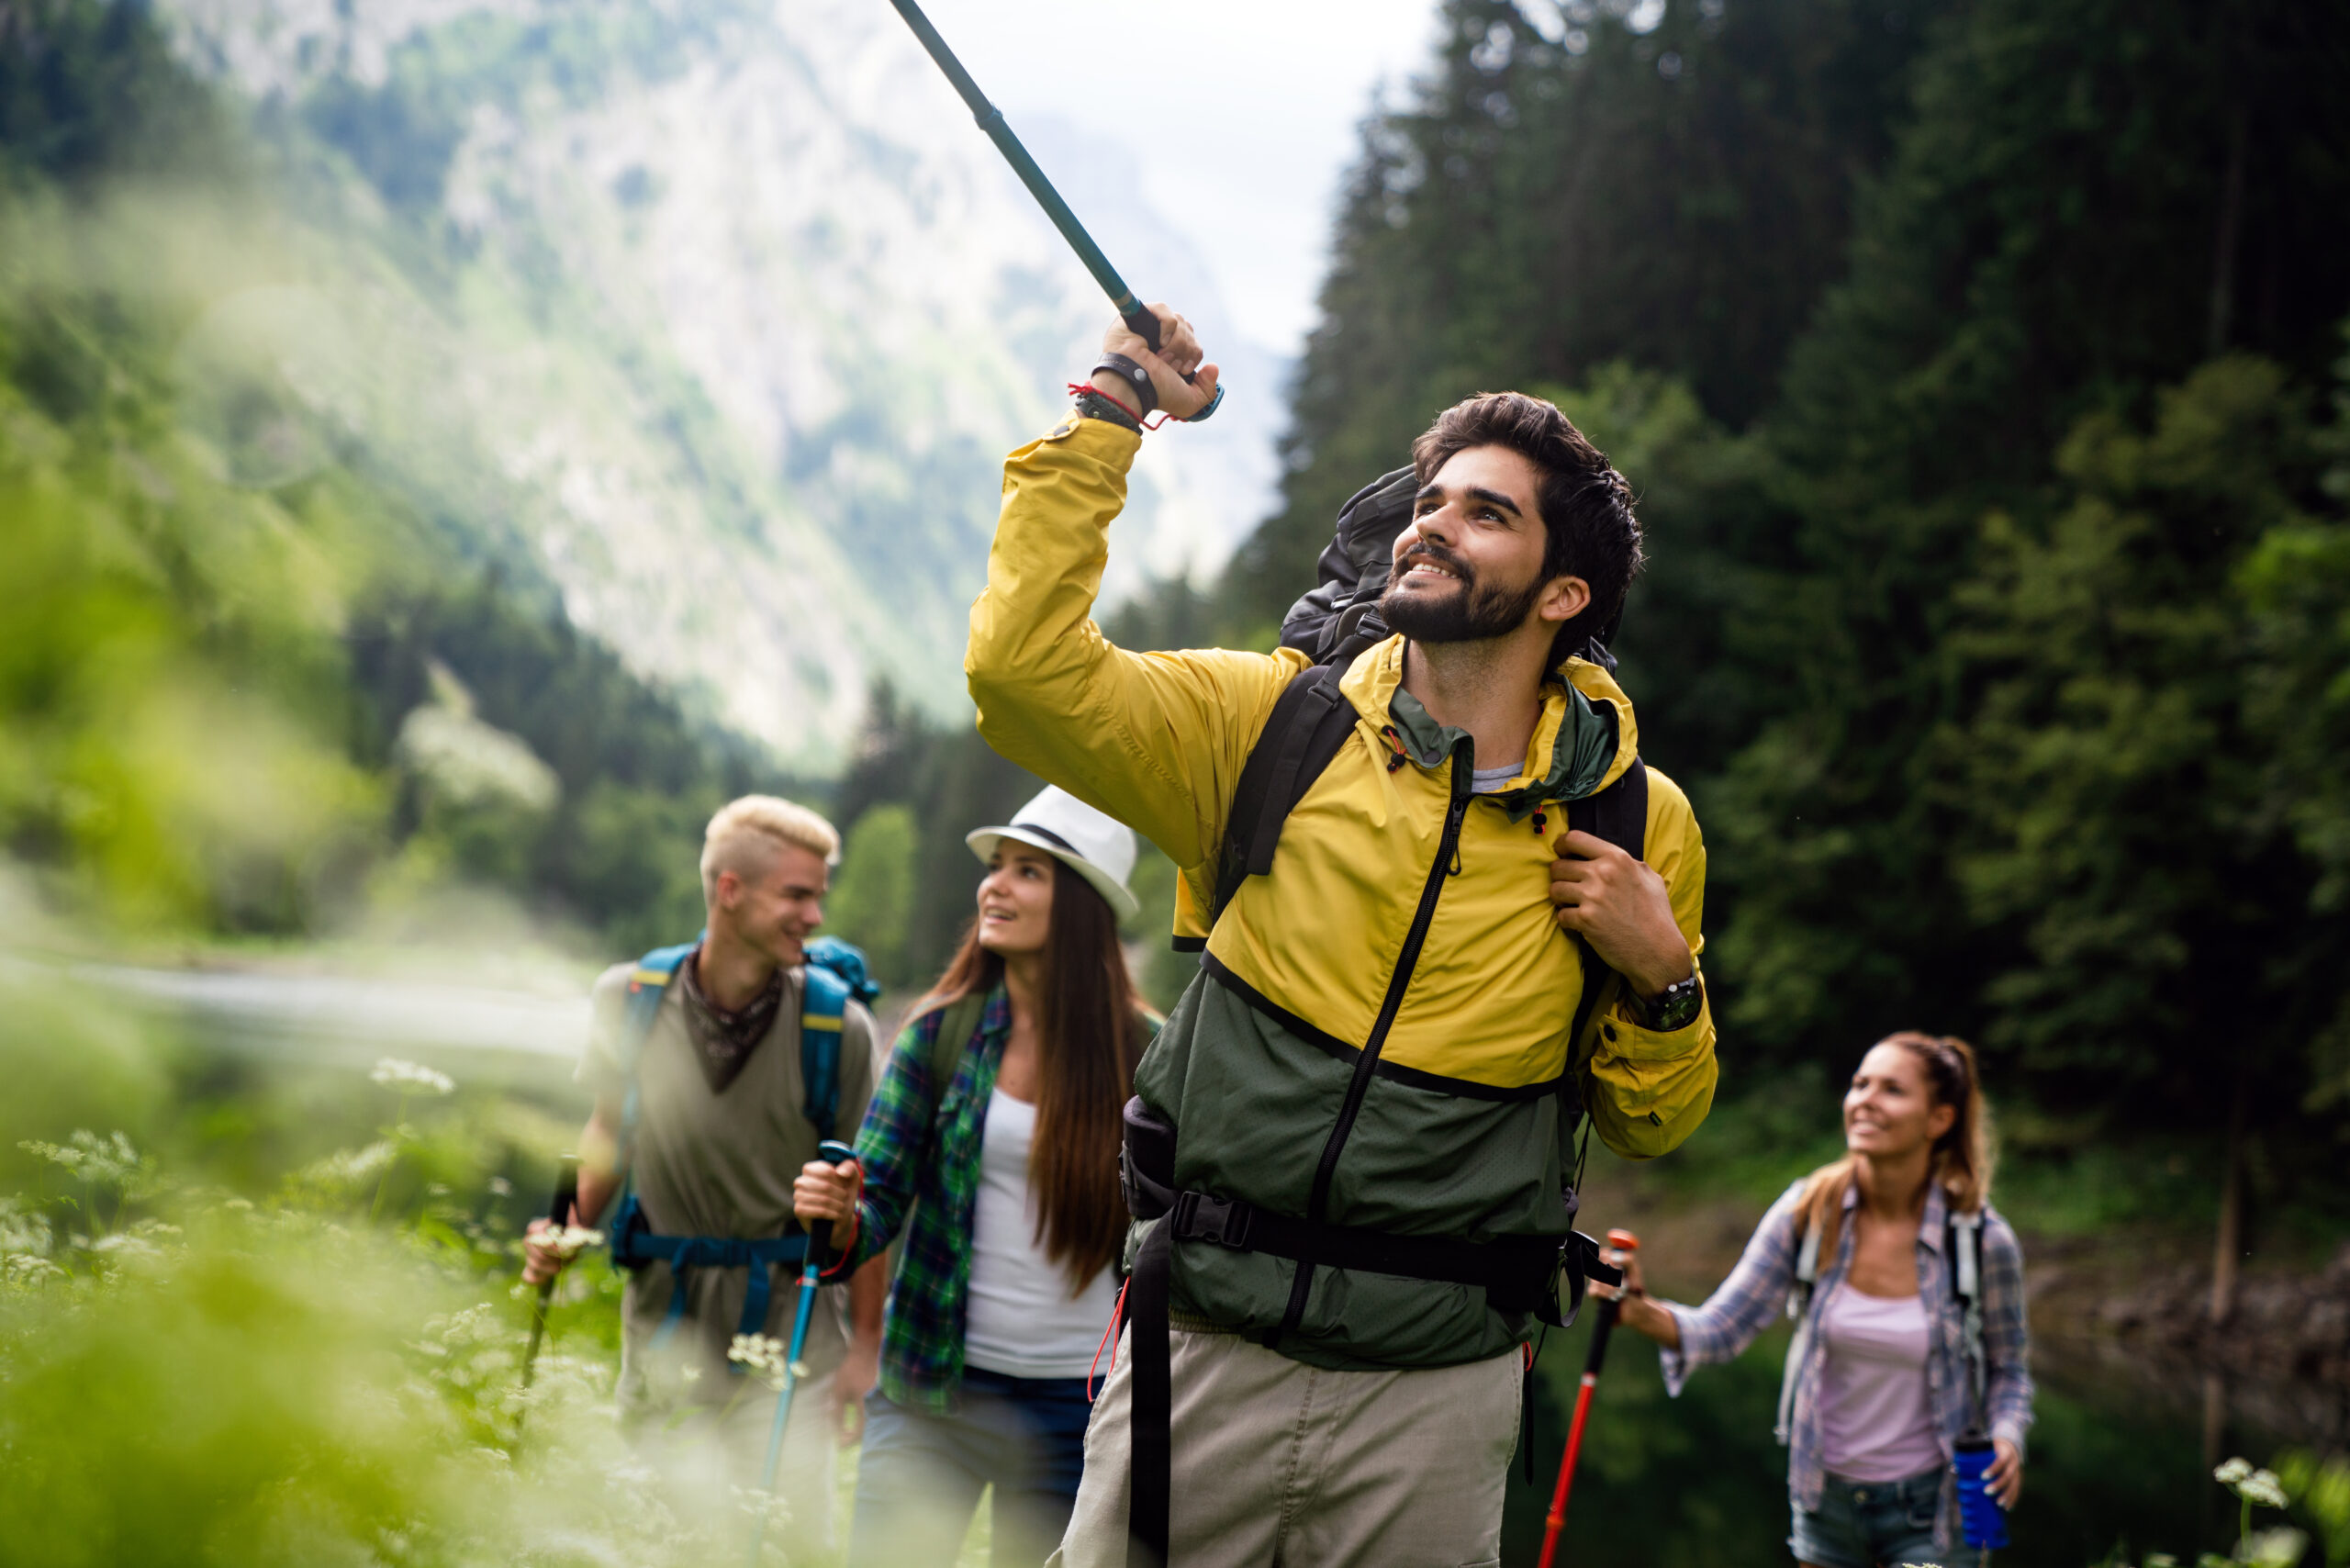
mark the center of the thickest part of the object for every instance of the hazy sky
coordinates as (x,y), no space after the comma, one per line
(1243,115)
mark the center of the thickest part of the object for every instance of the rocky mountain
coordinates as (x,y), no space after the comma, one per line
(720,316)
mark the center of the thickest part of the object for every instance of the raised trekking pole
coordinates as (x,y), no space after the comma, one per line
(567,1198)
(1139,320)
(1602,1324)
(831,1151)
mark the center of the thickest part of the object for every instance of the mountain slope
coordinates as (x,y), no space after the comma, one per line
(723,314)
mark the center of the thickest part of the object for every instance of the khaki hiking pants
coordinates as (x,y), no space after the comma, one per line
(1282,1465)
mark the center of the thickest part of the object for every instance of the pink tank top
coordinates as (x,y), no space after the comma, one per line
(1876,1422)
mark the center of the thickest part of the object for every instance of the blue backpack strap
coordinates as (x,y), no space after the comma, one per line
(835,972)
(647,984)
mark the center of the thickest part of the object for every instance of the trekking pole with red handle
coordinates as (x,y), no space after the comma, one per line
(1604,1321)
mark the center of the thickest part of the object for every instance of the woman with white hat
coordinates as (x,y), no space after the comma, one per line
(996,1128)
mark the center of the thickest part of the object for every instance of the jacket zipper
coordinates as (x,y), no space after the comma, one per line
(1447,852)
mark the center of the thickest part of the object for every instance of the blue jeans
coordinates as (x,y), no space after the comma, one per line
(1861,1524)
(919,1480)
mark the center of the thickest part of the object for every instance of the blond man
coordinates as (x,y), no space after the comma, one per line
(703,1100)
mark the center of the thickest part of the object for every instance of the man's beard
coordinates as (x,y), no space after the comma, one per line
(1472,613)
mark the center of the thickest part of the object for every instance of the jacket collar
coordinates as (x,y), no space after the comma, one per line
(1584,739)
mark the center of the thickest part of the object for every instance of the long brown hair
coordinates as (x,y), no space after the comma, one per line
(1961,1157)
(1088,1039)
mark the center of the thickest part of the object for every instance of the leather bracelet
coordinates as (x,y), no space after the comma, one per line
(1135,377)
(1091,405)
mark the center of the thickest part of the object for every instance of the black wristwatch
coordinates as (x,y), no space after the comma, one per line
(1135,377)
(1673,1008)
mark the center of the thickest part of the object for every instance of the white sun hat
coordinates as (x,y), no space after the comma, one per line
(1099,848)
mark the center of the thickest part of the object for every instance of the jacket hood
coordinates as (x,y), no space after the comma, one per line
(1583,741)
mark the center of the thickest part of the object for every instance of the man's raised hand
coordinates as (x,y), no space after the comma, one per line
(1179,355)
(1622,908)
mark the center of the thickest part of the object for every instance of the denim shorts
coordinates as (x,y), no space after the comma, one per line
(1861,1524)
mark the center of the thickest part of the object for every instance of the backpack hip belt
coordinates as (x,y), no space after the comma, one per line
(634,1245)
(1518,1273)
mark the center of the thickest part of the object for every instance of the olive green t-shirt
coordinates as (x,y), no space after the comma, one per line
(719,1163)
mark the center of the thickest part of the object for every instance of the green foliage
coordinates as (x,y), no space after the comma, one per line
(1965,369)
(246,658)
(90,88)
(872,901)
(2121,823)
(947,782)
(1677,198)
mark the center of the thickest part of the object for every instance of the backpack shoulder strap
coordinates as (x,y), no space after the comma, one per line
(1799,1291)
(833,975)
(957,1021)
(1962,1254)
(1310,721)
(648,983)
(1619,814)
(823,1006)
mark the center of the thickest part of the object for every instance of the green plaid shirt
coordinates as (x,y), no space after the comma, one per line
(919,1149)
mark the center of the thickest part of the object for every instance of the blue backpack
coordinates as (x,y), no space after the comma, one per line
(835,973)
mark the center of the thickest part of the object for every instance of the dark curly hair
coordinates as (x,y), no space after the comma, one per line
(1590,531)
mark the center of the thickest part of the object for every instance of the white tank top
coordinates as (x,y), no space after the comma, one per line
(1876,1423)
(1021,1320)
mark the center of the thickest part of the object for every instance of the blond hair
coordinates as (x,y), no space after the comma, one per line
(745,833)
(1962,1157)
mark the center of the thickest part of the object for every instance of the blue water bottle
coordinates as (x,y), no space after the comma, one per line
(1983,1521)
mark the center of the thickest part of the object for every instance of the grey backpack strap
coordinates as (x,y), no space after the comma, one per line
(1799,1293)
(957,1021)
(1963,1250)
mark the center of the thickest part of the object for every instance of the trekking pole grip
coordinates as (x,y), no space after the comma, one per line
(831,1151)
(1144,324)
(1604,1324)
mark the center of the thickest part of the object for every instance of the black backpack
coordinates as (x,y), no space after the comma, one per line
(1333,622)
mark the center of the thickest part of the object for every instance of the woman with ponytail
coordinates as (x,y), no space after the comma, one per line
(1880,1384)
(996,1128)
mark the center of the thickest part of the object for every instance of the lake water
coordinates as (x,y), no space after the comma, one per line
(2120,1452)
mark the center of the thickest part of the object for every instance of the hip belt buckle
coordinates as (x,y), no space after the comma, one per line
(1223,1222)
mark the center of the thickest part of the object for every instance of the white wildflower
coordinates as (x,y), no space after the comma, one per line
(758,1353)
(23,1268)
(101,1161)
(23,1230)
(409,1076)
(500,1186)
(2262,1489)
(759,1505)
(2233,1471)
(2279,1548)
(572,1240)
(350,1167)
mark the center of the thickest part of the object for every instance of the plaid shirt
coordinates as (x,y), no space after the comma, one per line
(919,1149)
(1756,1292)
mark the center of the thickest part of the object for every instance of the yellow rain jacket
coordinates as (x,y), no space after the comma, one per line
(1461,1132)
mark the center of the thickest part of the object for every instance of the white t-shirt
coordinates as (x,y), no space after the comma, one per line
(1020,1319)
(1876,1423)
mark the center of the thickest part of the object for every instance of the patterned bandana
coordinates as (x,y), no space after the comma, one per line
(725,1040)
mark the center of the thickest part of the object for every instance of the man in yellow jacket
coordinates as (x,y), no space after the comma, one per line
(1372,1089)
